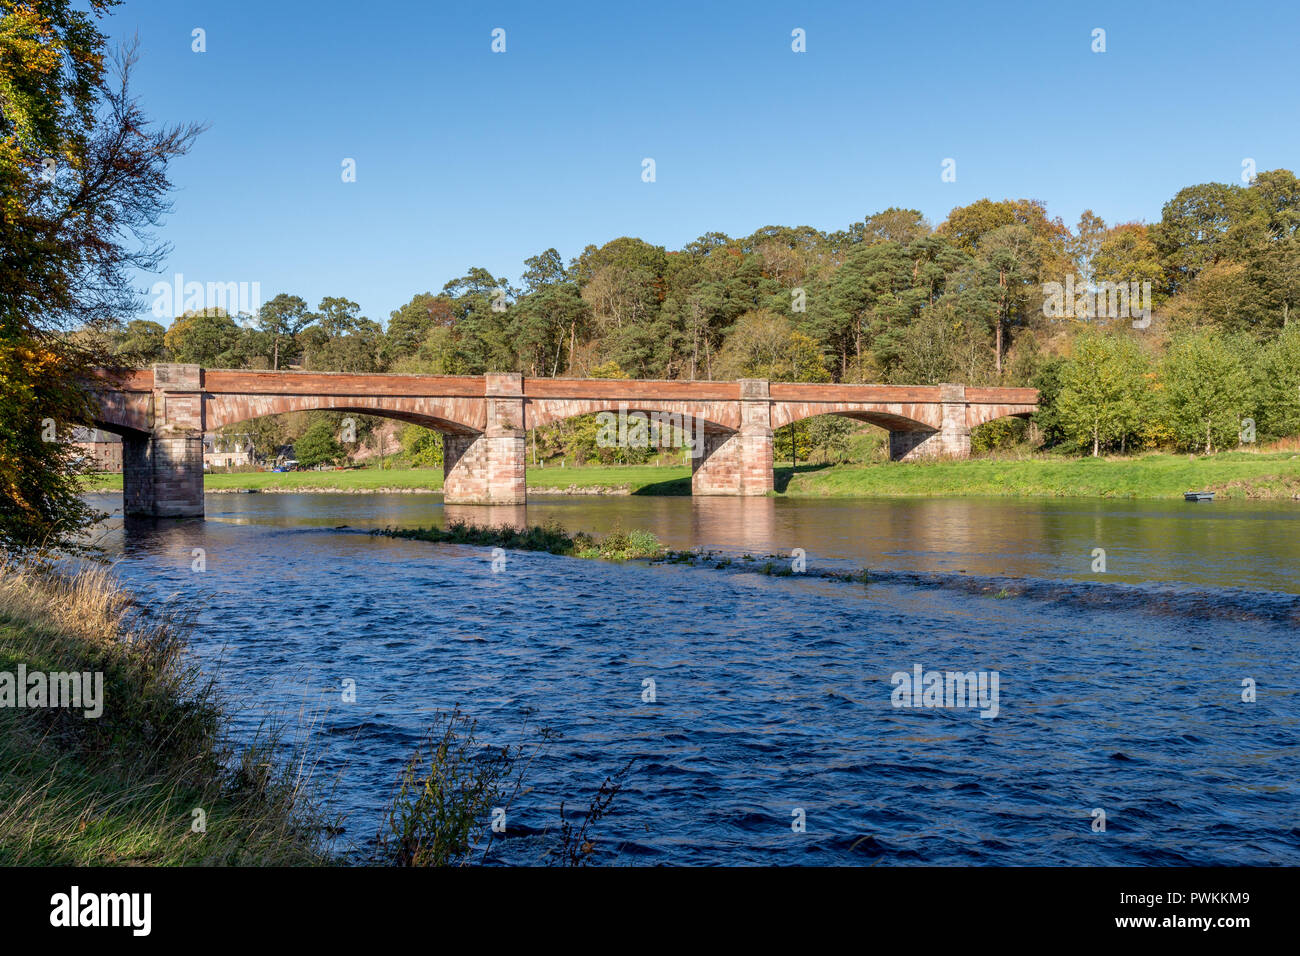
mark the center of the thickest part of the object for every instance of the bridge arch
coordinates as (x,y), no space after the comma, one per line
(712,416)
(977,415)
(454,416)
(892,418)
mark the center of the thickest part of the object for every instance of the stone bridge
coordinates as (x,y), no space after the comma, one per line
(162,414)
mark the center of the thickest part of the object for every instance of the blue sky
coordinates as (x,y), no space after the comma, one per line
(465,157)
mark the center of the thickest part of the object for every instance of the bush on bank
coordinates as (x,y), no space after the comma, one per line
(617,545)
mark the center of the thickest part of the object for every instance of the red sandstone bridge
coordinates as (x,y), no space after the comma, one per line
(162,413)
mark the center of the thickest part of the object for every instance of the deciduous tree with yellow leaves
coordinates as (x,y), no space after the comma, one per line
(83,179)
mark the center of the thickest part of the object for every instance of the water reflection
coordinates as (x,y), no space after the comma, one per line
(1227,544)
(491,516)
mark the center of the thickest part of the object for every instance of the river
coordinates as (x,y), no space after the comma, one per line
(773,736)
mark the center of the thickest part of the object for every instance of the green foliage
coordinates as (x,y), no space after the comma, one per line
(793,443)
(618,544)
(207,337)
(1277,374)
(73,236)
(318,446)
(440,813)
(1001,434)
(40,468)
(1048,380)
(421,446)
(1207,390)
(1103,391)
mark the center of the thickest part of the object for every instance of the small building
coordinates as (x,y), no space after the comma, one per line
(221,452)
(102,450)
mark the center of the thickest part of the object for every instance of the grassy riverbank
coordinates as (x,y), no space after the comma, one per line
(1233,475)
(150,781)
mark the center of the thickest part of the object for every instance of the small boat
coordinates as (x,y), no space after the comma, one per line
(1198,495)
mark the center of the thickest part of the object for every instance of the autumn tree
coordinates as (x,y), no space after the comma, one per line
(83,179)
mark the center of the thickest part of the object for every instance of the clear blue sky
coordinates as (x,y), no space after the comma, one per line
(468,158)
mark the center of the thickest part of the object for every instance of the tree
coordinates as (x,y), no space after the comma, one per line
(207,337)
(481,307)
(967,227)
(341,339)
(868,304)
(1274,276)
(282,320)
(1128,253)
(1205,224)
(318,446)
(83,177)
(765,345)
(1086,243)
(903,226)
(1278,386)
(1011,253)
(1207,390)
(409,327)
(421,446)
(1279,196)
(141,344)
(1102,390)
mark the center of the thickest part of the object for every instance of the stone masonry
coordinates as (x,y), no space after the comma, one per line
(162,415)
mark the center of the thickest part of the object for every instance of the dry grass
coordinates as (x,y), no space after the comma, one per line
(123,788)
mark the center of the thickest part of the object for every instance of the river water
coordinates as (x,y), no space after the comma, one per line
(1119,691)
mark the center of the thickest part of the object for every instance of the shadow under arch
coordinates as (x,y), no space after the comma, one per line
(122,431)
(219,419)
(889,421)
(711,419)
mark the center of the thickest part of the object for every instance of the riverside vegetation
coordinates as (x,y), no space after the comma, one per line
(154,780)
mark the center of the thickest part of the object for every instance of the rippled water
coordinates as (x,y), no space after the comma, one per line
(1119,691)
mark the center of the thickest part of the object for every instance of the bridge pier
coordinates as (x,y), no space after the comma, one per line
(739,463)
(162,471)
(952,440)
(488,468)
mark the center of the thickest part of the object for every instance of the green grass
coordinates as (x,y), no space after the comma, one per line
(634,479)
(1233,475)
(617,545)
(122,788)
